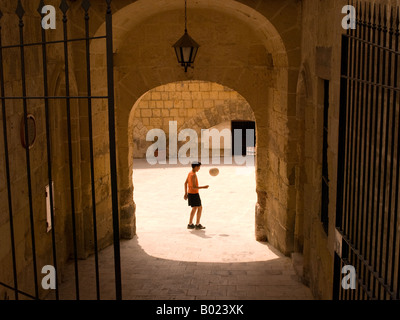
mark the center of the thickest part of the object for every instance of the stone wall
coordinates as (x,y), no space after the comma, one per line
(320,61)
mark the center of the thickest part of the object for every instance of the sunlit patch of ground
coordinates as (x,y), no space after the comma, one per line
(162,214)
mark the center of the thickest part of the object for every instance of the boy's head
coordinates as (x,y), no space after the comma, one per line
(196,166)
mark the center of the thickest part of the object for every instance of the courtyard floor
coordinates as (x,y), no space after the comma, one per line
(167,261)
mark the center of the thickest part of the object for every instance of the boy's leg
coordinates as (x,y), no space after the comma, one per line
(199,210)
(192,213)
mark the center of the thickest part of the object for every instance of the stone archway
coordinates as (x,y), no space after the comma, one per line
(254,52)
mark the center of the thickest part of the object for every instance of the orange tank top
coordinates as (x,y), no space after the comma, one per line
(190,182)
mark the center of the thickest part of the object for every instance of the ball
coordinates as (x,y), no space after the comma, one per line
(214,172)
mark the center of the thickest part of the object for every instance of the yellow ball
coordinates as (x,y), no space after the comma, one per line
(214,172)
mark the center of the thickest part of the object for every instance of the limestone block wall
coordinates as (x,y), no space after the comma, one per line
(320,61)
(192,104)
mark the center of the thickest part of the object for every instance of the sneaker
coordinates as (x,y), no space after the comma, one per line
(191,226)
(199,227)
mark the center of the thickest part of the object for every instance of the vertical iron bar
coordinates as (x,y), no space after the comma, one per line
(350,141)
(48,137)
(350,74)
(360,116)
(367,151)
(378,91)
(345,294)
(393,124)
(7,162)
(89,93)
(367,146)
(355,143)
(354,234)
(373,140)
(20,13)
(369,222)
(342,133)
(396,207)
(113,158)
(361,132)
(382,157)
(363,146)
(64,8)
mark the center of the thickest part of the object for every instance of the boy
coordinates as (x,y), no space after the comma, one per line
(192,194)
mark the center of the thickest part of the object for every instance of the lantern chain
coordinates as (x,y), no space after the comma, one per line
(185,15)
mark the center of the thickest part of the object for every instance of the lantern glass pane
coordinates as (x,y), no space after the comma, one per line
(186,54)
(194,54)
(178,55)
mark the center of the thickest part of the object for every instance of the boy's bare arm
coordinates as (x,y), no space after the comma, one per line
(185,196)
(195,186)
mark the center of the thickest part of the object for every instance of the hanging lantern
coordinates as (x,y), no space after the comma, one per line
(186,48)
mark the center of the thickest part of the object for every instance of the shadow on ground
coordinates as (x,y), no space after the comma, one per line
(167,261)
(145,277)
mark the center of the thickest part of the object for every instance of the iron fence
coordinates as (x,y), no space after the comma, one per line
(367,218)
(44,44)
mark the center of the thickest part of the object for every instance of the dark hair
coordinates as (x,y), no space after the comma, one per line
(196,164)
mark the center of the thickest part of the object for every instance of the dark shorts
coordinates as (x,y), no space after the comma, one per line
(194,200)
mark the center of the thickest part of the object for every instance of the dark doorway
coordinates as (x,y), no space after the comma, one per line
(248,147)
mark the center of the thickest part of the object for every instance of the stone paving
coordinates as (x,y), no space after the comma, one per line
(167,261)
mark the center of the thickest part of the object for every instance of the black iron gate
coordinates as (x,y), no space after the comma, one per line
(367,218)
(66,99)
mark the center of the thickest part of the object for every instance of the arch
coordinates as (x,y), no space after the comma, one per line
(128,16)
(251,59)
(273,46)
